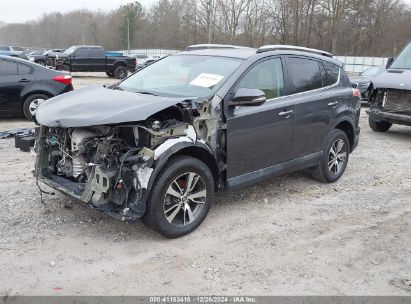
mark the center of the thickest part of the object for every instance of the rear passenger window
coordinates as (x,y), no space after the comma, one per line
(24,69)
(8,67)
(305,74)
(332,71)
(266,76)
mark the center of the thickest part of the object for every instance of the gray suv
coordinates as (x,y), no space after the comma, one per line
(161,143)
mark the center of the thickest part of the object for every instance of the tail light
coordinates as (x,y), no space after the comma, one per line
(65,79)
(356,93)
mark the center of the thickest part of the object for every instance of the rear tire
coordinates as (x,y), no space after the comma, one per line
(335,158)
(120,72)
(379,126)
(31,104)
(180,198)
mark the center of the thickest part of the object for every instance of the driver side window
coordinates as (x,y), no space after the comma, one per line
(266,76)
(81,52)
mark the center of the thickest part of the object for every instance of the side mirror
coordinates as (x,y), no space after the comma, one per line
(248,97)
(389,62)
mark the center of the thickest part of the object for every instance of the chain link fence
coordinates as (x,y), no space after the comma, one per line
(355,65)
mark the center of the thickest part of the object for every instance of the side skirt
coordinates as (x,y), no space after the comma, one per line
(283,168)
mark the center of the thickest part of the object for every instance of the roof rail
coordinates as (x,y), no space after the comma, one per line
(278,47)
(213,46)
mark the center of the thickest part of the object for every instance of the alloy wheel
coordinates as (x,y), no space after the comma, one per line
(337,156)
(34,105)
(184,200)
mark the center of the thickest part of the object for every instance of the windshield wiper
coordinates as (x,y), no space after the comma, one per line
(145,92)
(117,87)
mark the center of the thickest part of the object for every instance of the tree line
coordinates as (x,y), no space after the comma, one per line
(343,27)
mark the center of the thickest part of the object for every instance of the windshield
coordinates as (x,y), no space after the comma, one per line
(183,75)
(373,71)
(70,50)
(403,60)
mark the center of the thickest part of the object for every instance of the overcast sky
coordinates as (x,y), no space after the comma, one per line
(25,10)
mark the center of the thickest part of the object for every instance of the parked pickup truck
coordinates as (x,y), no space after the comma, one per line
(86,58)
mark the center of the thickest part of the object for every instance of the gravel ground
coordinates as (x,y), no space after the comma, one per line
(289,235)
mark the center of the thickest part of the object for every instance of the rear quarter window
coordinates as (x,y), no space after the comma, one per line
(305,74)
(24,69)
(344,78)
(332,72)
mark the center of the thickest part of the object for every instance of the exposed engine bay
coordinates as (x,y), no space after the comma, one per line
(109,166)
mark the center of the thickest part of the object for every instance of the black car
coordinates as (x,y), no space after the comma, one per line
(159,144)
(363,81)
(24,86)
(90,58)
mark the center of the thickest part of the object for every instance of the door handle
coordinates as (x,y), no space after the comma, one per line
(333,104)
(286,113)
(24,80)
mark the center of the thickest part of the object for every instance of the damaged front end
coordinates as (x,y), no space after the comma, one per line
(112,166)
(390,102)
(391,106)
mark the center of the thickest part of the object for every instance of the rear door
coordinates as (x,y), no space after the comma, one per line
(97,59)
(12,84)
(259,137)
(315,101)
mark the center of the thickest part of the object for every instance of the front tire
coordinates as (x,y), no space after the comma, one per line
(120,72)
(335,158)
(31,104)
(379,126)
(64,67)
(180,198)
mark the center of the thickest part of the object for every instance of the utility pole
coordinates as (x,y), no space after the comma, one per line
(128,35)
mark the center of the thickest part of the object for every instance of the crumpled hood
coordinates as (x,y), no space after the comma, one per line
(97,105)
(393,79)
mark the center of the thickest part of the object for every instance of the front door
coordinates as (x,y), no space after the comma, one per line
(260,137)
(79,60)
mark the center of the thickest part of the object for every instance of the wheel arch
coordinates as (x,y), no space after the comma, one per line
(121,63)
(34,92)
(347,126)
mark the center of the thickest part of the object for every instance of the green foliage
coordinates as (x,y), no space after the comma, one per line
(130,15)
